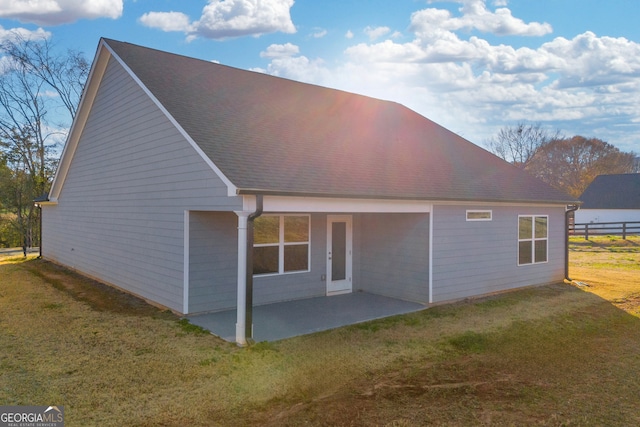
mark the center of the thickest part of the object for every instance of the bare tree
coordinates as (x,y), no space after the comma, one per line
(518,144)
(570,164)
(63,73)
(39,94)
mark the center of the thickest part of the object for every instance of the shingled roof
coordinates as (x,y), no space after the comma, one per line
(277,136)
(620,191)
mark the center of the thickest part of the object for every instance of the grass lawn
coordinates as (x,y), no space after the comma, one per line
(550,356)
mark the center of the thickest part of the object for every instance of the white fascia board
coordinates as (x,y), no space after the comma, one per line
(333,205)
(490,204)
(231,189)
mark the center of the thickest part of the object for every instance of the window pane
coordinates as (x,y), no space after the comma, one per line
(541,227)
(296,229)
(524,253)
(296,257)
(265,259)
(479,215)
(541,251)
(525,228)
(266,229)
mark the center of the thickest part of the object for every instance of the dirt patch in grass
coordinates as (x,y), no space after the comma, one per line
(554,371)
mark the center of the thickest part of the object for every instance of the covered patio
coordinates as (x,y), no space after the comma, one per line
(273,322)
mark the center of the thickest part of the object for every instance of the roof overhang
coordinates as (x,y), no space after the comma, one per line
(329,204)
(275,203)
(311,199)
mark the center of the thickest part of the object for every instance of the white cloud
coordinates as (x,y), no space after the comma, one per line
(167,21)
(233,18)
(299,68)
(320,32)
(348,34)
(23,34)
(56,12)
(223,19)
(280,51)
(376,32)
(475,16)
(585,85)
(589,60)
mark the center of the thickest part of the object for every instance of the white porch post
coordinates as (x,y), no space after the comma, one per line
(431,213)
(185,263)
(241,308)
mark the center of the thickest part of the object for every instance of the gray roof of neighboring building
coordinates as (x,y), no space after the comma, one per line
(620,191)
(276,136)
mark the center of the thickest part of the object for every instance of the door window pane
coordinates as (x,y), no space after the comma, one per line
(338,251)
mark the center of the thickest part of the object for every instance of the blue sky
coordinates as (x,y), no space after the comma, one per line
(473,66)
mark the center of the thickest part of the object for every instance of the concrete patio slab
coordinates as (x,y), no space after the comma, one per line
(273,322)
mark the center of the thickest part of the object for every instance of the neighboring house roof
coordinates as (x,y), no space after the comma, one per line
(613,192)
(271,135)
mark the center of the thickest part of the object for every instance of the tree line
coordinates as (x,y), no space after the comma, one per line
(569,164)
(41,86)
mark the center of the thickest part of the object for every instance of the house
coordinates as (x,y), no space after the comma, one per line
(173,164)
(611,198)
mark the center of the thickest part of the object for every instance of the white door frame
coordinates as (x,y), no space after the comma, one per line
(335,287)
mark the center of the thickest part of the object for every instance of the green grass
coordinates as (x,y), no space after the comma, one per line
(190,328)
(469,342)
(550,356)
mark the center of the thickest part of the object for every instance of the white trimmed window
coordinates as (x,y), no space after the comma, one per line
(475,215)
(281,244)
(533,240)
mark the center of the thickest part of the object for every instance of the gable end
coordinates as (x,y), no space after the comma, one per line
(105,52)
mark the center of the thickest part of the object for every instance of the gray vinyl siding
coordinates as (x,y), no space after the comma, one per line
(390,258)
(473,258)
(213,261)
(290,286)
(394,255)
(120,214)
(213,265)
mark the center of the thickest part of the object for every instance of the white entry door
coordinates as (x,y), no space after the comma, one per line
(339,254)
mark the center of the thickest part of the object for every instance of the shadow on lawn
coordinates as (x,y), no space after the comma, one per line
(605,244)
(97,295)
